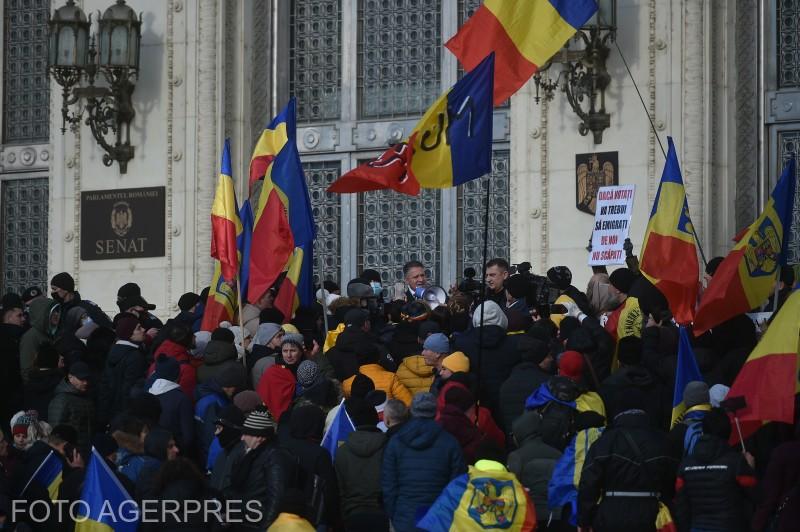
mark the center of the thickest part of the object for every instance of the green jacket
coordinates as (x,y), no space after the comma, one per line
(39,332)
(71,407)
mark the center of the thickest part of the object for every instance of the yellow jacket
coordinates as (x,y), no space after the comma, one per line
(287,522)
(383,380)
(414,374)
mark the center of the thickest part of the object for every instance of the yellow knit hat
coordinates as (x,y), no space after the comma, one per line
(456,362)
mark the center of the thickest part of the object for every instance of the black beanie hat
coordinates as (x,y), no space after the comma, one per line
(531,349)
(223,335)
(167,368)
(12,301)
(622,279)
(64,281)
(361,386)
(361,412)
(629,350)
(560,276)
(517,286)
(188,300)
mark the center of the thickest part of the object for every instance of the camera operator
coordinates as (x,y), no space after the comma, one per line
(469,285)
(496,275)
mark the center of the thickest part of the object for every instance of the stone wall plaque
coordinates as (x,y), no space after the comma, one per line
(123,223)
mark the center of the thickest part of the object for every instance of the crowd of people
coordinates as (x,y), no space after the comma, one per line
(464,414)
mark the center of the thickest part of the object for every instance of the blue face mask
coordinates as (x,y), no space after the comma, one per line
(377,289)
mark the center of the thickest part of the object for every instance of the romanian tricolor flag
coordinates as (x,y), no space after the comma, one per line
(48,475)
(487,497)
(669,255)
(225,222)
(451,144)
(221,302)
(768,380)
(586,402)
(104,503)
(664,522)
(686,372)
(747,276)
(566,478)
(523,34)
(283,224)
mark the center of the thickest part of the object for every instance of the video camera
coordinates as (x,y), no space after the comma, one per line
(469,285)
(541,293)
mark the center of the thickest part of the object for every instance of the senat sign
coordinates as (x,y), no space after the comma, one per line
(123,224)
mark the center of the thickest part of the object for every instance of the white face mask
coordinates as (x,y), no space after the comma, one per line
(377,289)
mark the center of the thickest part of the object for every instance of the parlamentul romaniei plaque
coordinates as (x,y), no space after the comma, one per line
(123,223)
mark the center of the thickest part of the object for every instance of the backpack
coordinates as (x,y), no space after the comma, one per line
(557,424)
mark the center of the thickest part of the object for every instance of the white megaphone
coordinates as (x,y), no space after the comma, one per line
(434,296)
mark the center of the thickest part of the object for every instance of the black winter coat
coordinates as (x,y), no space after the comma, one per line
(10,377)
(616,386)
(125,368)
(177,416)
(498,358)
(218,357)
(612,465)
(312,460)
(525,379)
(343,356)
(262,474)
(40,389)
(714,486)
(358,472)
(404,341)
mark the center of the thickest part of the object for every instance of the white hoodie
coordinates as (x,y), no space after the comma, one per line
(162,386)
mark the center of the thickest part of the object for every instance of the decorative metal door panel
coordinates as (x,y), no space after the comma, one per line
(472,210)
(26,88)
(328,216)
(24,209)
(788,144)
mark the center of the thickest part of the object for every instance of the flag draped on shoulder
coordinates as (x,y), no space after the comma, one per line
(768,380)
(523,34)
(747,276)
(104,503)
(283,224)
(338,432)
(487,497)
(48,475)
(669,255)
(562,489)
(225,222)
(451,144)
(686,372)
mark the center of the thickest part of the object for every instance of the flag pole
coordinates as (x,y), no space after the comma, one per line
(483,293)
(322,289)
(241,324)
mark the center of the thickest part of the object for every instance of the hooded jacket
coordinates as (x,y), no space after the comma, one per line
(40,331)
(188,375)
(469,436)
(218,357)
(72,407)
(211,399)
(383,380)
(414,374)
(498,357)
(125,368)
(523,381)
(533,462)
(358,470)
(713,488)
(131,456)
(40,389)
(176,412)
(419,461)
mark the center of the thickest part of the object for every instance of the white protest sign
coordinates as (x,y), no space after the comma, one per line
(612,220)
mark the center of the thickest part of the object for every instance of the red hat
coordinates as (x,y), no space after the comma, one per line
(20,429)
(570,365)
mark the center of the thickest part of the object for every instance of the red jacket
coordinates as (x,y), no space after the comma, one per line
(187,378)
(485,421)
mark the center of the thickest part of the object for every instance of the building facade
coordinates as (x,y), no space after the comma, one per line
(720,77)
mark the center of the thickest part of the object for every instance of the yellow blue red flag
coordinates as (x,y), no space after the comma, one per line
(221,302)
(104,506)
(487,497)
(283,223)
(562,490)
(686,372)
(524,34)
(451,144)
(225,222)
(48,475)
(669,255)
(746,278)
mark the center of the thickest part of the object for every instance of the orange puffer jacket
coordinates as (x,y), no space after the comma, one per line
(383,380)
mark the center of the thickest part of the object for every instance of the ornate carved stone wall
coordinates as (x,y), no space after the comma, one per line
(694,134)
(747,99)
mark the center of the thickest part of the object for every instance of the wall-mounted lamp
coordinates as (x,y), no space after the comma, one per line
(73,57)
(584,77)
